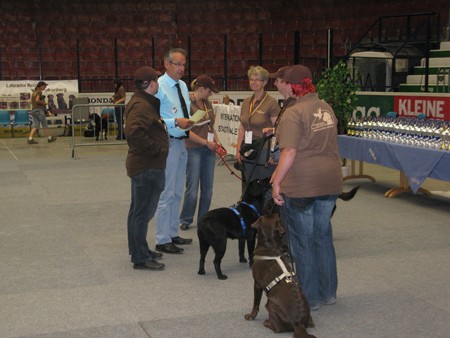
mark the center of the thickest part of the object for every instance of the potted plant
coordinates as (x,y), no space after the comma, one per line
(337,88)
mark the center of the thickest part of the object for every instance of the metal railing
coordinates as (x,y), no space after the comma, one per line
(87,132)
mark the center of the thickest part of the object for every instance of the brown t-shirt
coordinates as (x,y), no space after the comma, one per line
(310,127)
(254,118)
(260,114)
(201,130)
(120,94)
(35,105)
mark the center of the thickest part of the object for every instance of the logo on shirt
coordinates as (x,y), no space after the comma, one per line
(322,120)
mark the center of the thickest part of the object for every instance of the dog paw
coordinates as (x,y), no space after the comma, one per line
(201,272)
(243,260)
(222,277)
(250,316)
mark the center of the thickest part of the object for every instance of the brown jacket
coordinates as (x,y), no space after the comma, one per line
(148,142)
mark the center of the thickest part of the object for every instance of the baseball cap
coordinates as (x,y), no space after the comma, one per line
(41,83)
(296,74)
(279,73)
(206,81)
(146,73)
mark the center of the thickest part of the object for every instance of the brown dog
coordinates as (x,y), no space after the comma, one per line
(286,303)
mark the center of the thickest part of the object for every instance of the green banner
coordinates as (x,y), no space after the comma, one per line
(373,105)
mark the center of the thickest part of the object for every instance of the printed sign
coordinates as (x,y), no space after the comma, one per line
(59,95)
(228,119)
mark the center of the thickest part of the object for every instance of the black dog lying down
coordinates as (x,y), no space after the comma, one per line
(219,224)
(286,302)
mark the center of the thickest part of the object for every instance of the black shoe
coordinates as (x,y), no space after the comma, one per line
(149,265)
(169,248)
(181,241)
(155,255)
(184,226)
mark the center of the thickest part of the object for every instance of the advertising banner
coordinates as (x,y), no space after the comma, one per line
(378,104)
(59,95)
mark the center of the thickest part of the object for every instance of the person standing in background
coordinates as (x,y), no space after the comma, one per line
(306,183)
(174,96)
(226,100)
(148,146)
(38,113)
(200,145)
(119,97)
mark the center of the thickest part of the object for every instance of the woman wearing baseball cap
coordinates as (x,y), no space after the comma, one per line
(200,147)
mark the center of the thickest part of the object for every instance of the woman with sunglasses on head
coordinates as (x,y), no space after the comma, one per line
(200,146)
(258,111)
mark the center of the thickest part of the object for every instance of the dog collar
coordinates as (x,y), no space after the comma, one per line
(288,276)
(252,207)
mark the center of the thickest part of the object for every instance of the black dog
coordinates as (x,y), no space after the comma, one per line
(346,196)
(219,224)
(101,126)
(271,207)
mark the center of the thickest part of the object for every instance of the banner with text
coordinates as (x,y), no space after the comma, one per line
(379,104)
(228,119)
(59,95)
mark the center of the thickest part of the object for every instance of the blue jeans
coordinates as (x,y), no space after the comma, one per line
(199,171)
(146,188)
(311,241)
(167,213)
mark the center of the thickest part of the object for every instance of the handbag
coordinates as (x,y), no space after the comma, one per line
(250,150)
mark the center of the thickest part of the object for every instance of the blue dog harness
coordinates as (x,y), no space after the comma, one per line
(238,214)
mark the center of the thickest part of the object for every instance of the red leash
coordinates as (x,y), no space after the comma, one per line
(221,151)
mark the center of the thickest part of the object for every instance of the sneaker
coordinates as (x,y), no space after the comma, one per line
(169,248)
(149,265)
(155,255)
(181,241)
(32,141)
(314,307)
(51,139)
(184,226)
(330,301)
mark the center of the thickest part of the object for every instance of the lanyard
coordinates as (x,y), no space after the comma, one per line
(205,108)
(252,111)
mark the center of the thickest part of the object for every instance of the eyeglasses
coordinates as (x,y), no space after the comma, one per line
(178,65)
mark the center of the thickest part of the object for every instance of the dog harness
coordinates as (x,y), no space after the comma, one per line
(238,214)
(286,275)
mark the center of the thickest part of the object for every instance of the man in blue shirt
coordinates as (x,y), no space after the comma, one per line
(176,116)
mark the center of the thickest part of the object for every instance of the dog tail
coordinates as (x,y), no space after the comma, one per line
(348,195)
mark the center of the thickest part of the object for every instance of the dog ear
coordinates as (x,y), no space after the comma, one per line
(255,224)
(279,227)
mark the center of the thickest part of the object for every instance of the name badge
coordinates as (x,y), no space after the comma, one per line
(210,137)
(273,143)
(248,136)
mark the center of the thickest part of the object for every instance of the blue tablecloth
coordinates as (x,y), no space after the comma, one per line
(417,163)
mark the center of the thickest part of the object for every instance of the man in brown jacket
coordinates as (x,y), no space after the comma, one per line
(148,146)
